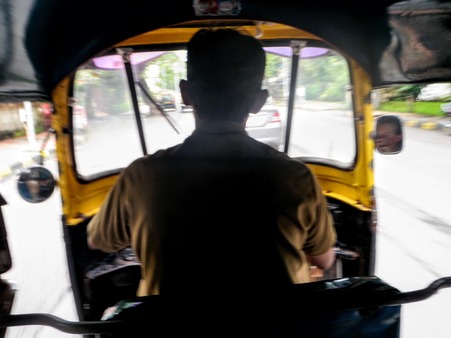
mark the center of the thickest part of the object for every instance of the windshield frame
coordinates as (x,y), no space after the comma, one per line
(127,50)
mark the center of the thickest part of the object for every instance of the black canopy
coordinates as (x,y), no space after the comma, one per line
(44,40)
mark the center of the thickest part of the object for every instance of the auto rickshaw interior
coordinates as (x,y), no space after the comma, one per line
(113,107)
(115,94)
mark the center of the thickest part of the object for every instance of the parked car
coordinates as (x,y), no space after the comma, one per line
(266,125)
(167,100)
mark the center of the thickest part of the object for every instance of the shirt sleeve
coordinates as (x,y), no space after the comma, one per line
(108,229)
(315,215)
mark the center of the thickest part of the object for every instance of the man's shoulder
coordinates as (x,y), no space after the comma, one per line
(289,168)
(260,157)
(144,163)
(158,155)
(282,159)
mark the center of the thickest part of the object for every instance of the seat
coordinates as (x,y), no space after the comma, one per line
(345,308)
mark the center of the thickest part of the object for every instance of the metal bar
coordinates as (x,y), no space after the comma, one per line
(89,327)
(419,295)
(145,91)
(125,53)
(368,299)
(296,46)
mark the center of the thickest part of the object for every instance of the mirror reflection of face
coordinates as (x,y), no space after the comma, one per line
(36,184)
(33,188)
(387,141)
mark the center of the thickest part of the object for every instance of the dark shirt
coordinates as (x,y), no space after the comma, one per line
(220,209)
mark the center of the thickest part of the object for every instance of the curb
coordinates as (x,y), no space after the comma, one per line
(444,126)
(429,125)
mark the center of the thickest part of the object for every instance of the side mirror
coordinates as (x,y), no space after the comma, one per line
(36,184)
(389,134)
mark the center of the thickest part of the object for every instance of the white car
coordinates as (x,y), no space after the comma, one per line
(266,126)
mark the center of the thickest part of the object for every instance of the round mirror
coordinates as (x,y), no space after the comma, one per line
(389,134)
(36,184)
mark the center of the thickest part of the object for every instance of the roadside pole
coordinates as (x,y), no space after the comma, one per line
(29,125)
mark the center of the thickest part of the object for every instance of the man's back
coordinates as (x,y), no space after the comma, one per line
(218,223)
(201,217)
(220,210)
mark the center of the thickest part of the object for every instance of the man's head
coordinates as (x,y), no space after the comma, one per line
(225,73)
(388,134)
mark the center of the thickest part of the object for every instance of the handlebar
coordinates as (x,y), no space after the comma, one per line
(93,327)
(60,324)
(419,295)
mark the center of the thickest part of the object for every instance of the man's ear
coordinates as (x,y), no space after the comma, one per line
(186,97)
(259,101)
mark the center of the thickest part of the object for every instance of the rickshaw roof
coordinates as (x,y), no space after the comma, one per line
(45,40)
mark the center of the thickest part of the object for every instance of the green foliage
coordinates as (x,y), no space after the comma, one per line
(401,93)
(101,90)
(167,62)
(19,133)
(426,108)
(167,78)
(324,78)
(107,91)
(274,65)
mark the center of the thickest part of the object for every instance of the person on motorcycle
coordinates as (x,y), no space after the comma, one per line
(220,212)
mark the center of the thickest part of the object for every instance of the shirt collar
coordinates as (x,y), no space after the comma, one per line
(220,127)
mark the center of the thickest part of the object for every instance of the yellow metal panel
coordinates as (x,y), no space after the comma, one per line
(354,187)
(79,199)
(178,34)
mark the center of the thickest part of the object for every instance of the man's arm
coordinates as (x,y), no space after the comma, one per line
(319,246)
(108,229)
(323,261)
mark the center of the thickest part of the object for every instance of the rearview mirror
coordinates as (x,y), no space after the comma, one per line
(389,134)
(36,184)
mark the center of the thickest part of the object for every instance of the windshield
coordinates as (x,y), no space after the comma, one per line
(321,127)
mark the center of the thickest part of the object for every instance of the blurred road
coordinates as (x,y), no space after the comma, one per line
(39,270)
